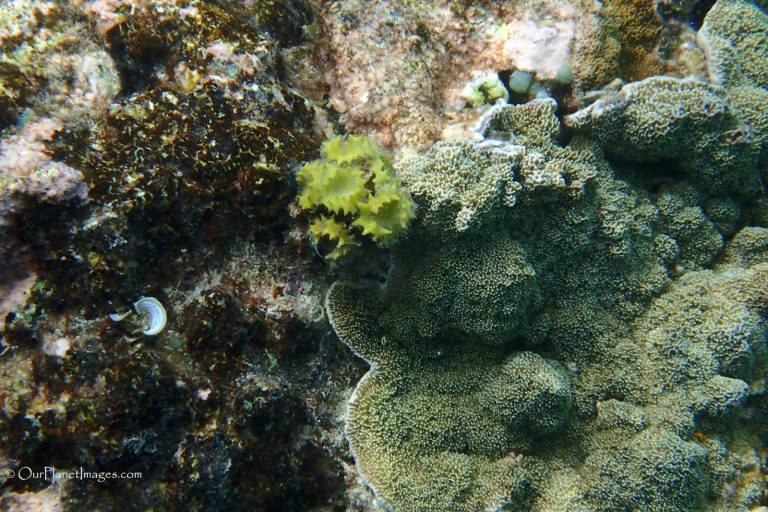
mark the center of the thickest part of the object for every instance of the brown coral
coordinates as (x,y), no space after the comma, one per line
(637,28)
(622,43)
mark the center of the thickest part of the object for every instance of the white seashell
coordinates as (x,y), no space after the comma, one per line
(153,313)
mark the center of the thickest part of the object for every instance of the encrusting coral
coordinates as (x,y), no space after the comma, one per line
(632,295)
(621,41)
(735,51)
(570,314)
(354,183)
(541,259)
(686,121)
(736,60)
(718,131)
(437,427)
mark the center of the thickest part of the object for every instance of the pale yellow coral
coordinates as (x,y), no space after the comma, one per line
(383,214)
(345,150)
(338,189)
(335,232)
(354,178)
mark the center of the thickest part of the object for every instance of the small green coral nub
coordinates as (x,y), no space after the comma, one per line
(352,186)
(485,90)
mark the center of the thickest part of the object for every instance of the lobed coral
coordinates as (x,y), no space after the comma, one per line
(354,182)
(686,121)
(716,131)
(446,440)
(735,51)
(682,217)
(684,365)
(519,156)
(682,487)
(600,307)
(637,28)
(736,60)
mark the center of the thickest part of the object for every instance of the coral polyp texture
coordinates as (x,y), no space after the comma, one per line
(686,121)
(548,234)
(438,427)
(736,60)
(354,191)
(736,51)
(620,313)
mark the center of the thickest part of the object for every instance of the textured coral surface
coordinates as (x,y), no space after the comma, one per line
(574,315)
(554,223)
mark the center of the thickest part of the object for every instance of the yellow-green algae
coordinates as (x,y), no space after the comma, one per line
(353,191)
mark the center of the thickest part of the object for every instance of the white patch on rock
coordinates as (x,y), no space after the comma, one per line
(58,347)
(539,47)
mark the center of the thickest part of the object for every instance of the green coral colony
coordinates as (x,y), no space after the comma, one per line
(561,332)
(353,188)
(573,317)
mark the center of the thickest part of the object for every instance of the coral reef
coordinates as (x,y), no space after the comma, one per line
(600,305)
(736,60)
(398,71)
(229,406)
(445,439)
(42,71)
(715,131)
(564,310)
(29,176)
(199,148)
(637,28)
(735,51)
(686,121)
(405,73)
(454,197)
(189,181)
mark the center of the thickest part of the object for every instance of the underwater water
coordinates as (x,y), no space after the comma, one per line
(388,255)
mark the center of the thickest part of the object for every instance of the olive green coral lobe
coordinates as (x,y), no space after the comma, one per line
(689,122)
(542,354)
(419,421)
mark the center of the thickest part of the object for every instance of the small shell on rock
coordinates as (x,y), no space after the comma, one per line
(152,313)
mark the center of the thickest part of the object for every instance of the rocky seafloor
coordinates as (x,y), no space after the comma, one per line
(424,255)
